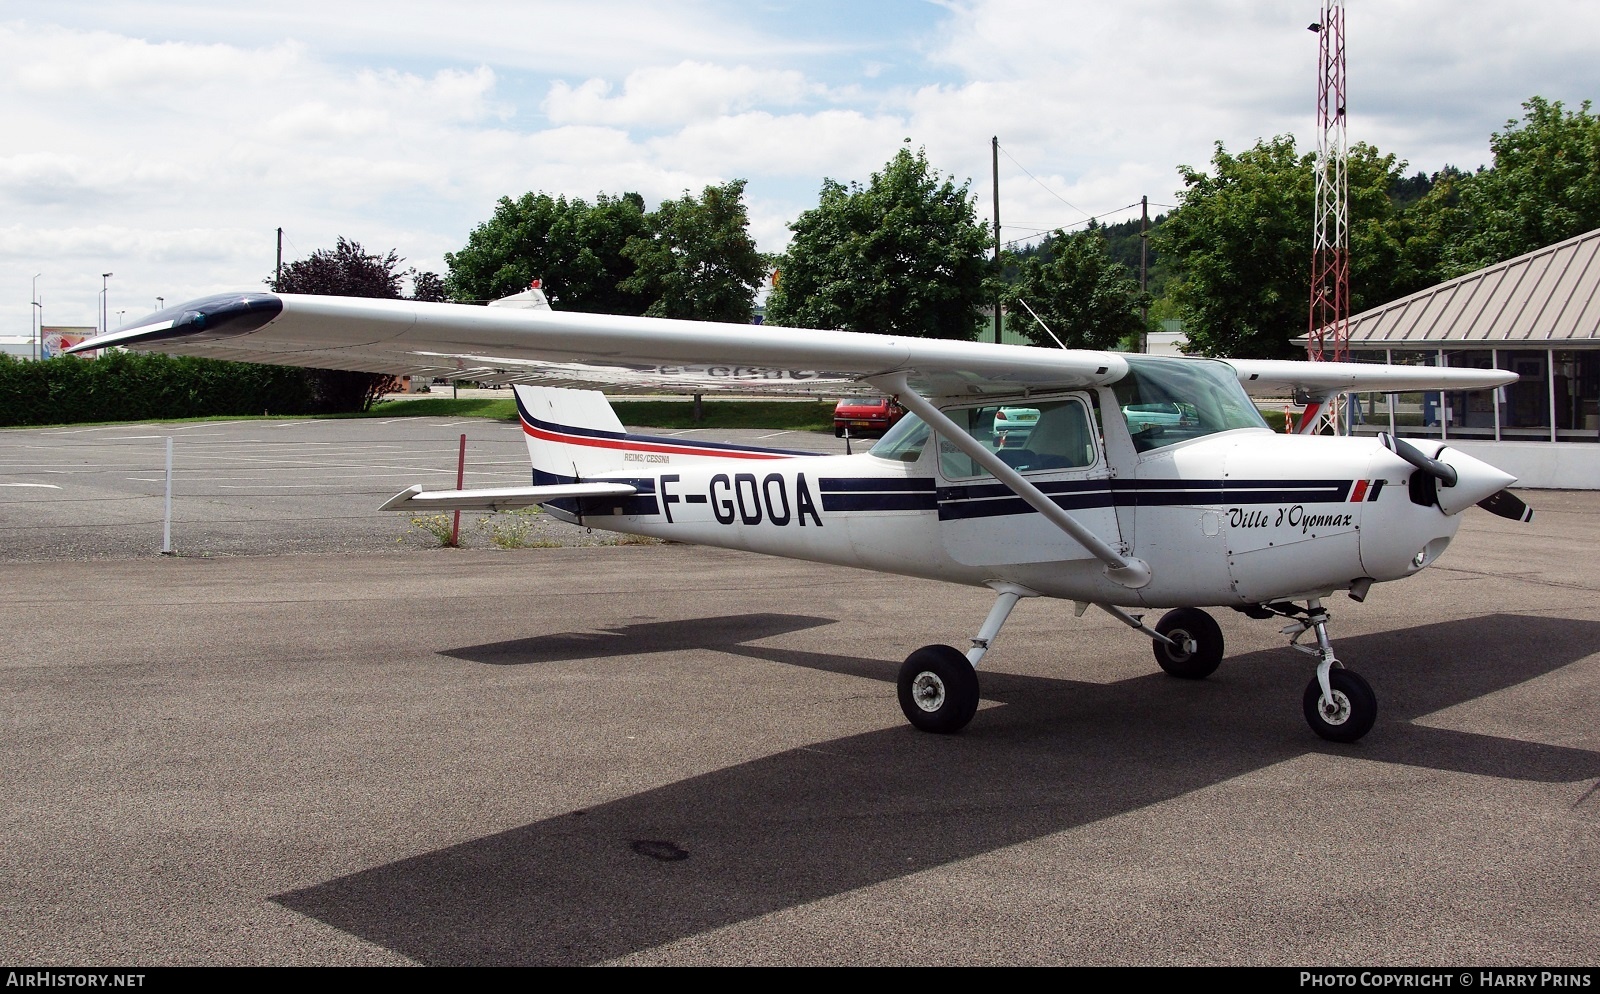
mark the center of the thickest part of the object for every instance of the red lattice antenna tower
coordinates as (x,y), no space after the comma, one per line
(1329,337)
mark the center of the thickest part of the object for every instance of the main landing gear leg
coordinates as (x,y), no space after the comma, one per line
(939,685)
(1338,704)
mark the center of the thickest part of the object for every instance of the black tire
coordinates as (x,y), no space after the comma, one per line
(1189,624)
(1354,710)
(838,432)
(938,689)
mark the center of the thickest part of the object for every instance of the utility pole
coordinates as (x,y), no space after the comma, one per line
(1144,272)
(994,154)
(277,274)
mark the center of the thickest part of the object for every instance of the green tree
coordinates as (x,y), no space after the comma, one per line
(574,247)
(1544,187)
(1240,243)
(1088,299)
(347,270)
(698,260)
(428,286)
(902,255)
(1432,224)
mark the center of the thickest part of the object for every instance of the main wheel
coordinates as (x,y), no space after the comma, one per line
(1350,713)
(1199,649)
(938,689)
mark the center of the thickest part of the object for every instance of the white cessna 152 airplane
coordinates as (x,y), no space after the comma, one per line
(1144,483)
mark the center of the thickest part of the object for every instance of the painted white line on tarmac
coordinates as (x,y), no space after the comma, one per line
(42,486)
(79,431)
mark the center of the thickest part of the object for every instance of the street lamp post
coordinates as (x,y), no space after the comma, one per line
(161,302)
(104,291)
(38,317)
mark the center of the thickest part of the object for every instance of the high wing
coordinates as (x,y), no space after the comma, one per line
(541,346)
(1284,378)
(545,347)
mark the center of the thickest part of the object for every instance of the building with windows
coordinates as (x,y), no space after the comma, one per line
(1537,315)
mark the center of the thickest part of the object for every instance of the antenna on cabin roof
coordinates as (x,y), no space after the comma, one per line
(1039,319)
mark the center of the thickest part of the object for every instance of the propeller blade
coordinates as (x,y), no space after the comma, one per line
(1507,505)
(1445,474)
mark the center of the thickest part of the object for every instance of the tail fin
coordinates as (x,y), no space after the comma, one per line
(567,433)
(574,435)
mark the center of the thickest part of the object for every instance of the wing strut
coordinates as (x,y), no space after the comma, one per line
(1125,570)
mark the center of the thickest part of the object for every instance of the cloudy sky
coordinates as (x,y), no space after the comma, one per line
(165,141)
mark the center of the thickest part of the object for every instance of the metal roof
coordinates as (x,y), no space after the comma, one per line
(1547,296)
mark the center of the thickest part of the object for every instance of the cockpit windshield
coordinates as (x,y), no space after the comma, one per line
(1166,401)
(903,442)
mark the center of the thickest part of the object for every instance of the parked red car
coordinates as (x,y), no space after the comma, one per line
(865,416)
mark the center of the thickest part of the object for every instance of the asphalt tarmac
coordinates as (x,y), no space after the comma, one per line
(273,487)
(376,752)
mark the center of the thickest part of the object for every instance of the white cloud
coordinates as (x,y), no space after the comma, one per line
(688,91)
(53,60)
(842,144)
(166,140)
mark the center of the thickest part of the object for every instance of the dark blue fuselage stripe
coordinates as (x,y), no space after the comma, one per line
(643,502)
(878,502)
(959,510)
(830,484)
(995,500)
(989,500)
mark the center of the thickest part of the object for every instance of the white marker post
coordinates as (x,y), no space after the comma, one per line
(166,518)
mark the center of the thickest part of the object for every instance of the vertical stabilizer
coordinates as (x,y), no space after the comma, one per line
(571,434)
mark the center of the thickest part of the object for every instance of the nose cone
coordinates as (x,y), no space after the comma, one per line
(1475,480)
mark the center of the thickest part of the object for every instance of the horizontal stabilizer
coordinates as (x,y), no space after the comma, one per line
(498,498)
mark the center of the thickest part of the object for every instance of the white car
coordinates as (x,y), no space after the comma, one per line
(1013,425)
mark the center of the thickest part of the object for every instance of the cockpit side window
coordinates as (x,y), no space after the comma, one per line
(1029,436)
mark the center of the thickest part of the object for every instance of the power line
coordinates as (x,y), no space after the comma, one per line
(1036,179)
(1067,227)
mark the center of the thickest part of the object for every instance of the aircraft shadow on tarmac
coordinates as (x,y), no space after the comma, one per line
(724,633)
(794,827)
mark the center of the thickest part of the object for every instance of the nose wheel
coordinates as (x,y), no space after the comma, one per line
(1346,712)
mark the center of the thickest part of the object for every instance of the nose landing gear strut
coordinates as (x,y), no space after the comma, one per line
(1339,705)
